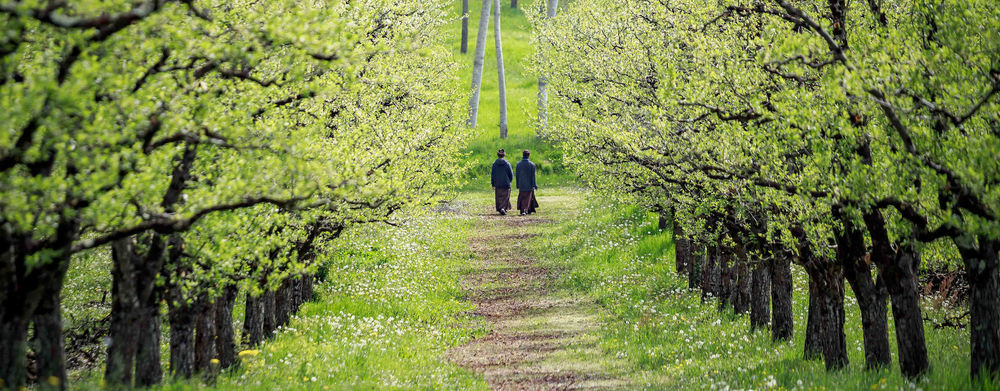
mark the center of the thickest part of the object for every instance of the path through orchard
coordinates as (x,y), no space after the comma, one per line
(543,337)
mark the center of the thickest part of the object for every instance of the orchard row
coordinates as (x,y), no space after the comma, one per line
(215,147)
(858,139)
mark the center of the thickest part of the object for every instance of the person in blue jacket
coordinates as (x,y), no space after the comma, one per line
(500,179)
(526,185)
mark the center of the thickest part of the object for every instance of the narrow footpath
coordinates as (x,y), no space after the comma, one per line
(543,338)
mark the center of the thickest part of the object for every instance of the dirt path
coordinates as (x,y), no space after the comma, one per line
(542,338)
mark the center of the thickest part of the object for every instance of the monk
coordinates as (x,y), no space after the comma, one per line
(500,178)
(526,185)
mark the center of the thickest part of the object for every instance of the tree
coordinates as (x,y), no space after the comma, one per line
(543,94)
(477,63)
(465,26)
(135,141)
(712,102)
(500,71)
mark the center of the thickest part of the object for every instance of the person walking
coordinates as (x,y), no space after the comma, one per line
(526,185)
(500,178)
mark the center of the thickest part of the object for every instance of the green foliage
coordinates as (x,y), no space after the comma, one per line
(772,106)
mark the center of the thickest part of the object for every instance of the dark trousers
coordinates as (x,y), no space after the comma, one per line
(526,201)
(503,199)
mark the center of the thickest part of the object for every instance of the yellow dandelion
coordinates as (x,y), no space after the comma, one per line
(214,361)
(54,381)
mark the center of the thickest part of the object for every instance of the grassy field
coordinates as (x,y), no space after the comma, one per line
(522,96)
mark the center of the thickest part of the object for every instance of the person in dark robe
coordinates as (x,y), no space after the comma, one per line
(500,178)
(526,185)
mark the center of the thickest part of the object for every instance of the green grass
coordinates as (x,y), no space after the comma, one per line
(522,98)
(674,341)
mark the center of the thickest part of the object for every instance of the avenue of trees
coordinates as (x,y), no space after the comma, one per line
(856,139)
(213,147)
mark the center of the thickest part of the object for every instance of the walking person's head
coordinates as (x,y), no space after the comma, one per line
(527,153)
(501,153)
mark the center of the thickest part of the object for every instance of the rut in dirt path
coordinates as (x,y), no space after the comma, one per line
(541,339)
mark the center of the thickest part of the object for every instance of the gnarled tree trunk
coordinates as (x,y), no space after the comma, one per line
(871,299)
(268,306)
(782,322)
(694,269)
(709,274)
(984,303)
(182,340)
(205,336)
(726,277)
(898,269)
(682,248)
(253,321)
(224,333)
(827,286)
(741,295)
(760,291)
(813,346)
(48,340)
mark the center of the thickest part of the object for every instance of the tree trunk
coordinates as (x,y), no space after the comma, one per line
(543,83)
(477,62)
(148,370)
(682,247)
(760,295)
(205,336)
(500,71)
(827,285)
(253,321)
(225,334)
(984,304)
(182,339)
(782,320)
(513,4)
(871,300)
(48,341)
(726,282)
(741,296)
(281,305)
(270,321)
(307,288)
(898,269)
(709,274)
(124,309)
(13,348)
(135,316)
(813,346)
(465,26)
(834,340)
(22,290)
(181,314)
(694,269)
